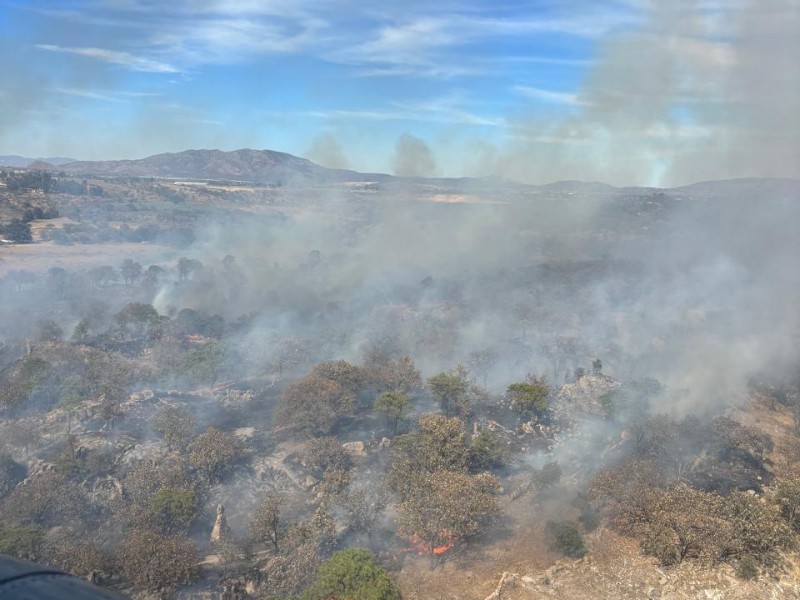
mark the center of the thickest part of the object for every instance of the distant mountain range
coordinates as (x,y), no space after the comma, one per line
(281,168)
(21,162)
(258,166)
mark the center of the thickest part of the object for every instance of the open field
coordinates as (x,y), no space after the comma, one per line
(40,257)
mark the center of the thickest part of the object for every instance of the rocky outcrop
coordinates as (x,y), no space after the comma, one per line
(582,398)
(220,531)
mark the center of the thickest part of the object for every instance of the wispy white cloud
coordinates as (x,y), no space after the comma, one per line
(549,96)
(429,44)
(453,107)
(106,95)
(441,110)
(377,41)
(125,59)
(88,94)
(231,40)
(548,60)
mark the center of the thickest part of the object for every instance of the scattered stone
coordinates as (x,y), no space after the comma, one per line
(355,448)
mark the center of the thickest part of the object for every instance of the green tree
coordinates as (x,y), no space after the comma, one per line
(81,331)
(188,267)
(173,510)
(395,405)
(72,391)
(438,445)
(446,507)
(759,529)
(347,375)
(151,275)
(326,455)
(265,522)
(488,451)
(25,382)
(529,399)
(17,231)
(131,271)
(597,366)
(104,275)
(212,452)
(139,315)
(352,574)
(175,426)
(207,363)
(314,405)
(682,523)
(387,372)
(160,563)
(450,390)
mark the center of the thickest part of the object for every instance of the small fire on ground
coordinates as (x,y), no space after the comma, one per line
(419,547)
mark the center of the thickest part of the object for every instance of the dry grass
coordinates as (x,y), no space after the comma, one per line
(38,258)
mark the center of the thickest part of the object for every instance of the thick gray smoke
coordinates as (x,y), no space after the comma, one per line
(325,150)
(695,287)
(697,92)
(412,158)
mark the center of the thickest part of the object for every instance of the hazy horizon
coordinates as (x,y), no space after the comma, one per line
(625,92)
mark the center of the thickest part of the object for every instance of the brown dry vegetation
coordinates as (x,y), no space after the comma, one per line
(149,421)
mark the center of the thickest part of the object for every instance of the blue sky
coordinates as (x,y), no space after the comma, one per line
(537,90)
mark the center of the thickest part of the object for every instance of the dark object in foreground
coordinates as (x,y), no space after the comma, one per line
(23,580)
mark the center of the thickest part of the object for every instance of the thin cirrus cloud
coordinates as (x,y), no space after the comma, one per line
(426,45)
(116,57)
(449,109)
(549,96)
(382,41)
(456,117)
(105,95)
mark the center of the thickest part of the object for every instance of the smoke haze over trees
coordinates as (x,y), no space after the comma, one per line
(244,374)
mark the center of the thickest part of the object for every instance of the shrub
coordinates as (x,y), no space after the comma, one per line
(566,538)
(747,567)
(24,541)
(488,451)
(548,475)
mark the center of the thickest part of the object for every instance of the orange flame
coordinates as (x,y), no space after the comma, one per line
(421,548)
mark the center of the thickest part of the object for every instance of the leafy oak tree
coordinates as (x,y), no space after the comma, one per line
(438,445)
(352,574)
(160,563)
(446,507)
(175,426)
(395,405)
(314,405)
(451,392)
(212,452)
(265,522)
(529,399)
